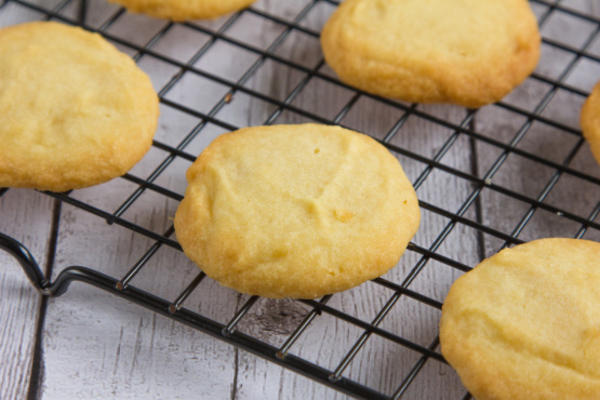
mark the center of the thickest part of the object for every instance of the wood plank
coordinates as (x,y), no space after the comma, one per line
(381,364)
(521,175)
(255,376)
(26,216)
(435,381)
(524,176)
(96,345)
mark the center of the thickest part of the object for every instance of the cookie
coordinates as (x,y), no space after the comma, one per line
(525,323)
(590,121)
(181,10)
(74,111)
(467,52)
(296,210)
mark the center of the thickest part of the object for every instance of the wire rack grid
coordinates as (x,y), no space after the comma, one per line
(275,73)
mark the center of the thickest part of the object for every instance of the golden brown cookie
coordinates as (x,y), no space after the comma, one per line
(74,111)
(468,52)
(590,121)
(525,323)
(296,210)
(181,10)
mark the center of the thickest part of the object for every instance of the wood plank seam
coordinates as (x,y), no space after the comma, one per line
(37,368)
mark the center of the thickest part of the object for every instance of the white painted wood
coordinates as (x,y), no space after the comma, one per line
(98,346)
(26,216)
(131,353)
(570,194)
(381,364)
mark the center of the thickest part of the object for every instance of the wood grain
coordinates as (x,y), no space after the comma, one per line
(531,178)
(380,364)
(95,345)
(26,216)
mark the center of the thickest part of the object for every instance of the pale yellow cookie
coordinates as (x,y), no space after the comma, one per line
(296,210)
(74,111)
(590,121)
(525,323)
(181,10)
(468,52)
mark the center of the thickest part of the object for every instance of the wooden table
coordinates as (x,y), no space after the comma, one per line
(89,344)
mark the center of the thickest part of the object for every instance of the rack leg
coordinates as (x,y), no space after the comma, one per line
(27,261)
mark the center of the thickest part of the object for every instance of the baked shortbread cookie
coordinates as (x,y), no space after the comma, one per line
(181,10)
(590,121)
(74,111)
(468,52)
(296,210)
(525,323)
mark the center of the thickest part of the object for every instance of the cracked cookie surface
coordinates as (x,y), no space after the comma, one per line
(74,111)
(296,210)
(525,323)
(468,52)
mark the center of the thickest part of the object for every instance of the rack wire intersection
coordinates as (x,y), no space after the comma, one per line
(465,131)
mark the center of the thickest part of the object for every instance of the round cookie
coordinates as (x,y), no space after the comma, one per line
(74,111)
(296,210)
(468,52)
(590,121)
(181,10)
(525,323)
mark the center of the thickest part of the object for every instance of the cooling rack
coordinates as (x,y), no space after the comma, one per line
(524,154)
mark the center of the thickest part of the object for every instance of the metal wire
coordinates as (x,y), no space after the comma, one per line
(466,128)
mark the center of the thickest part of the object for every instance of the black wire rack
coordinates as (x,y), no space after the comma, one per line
(482,184)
